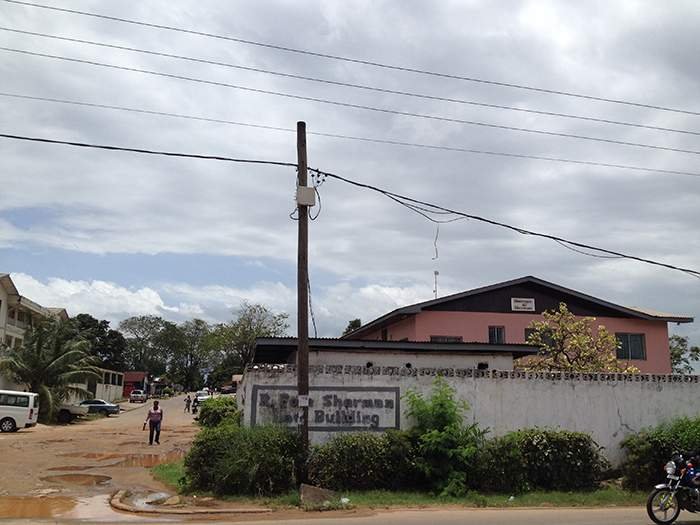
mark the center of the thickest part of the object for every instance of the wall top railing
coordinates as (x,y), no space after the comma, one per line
(400,371)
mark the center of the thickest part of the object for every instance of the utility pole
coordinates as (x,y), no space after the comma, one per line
(302,287)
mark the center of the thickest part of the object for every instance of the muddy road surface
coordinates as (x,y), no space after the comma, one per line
(78,465)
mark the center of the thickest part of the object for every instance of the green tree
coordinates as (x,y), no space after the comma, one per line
(107,344)
(570,344)
(232,344)
(147,346)
(446,447)
(51,364)
(352,326)
(189,352)
(682,356)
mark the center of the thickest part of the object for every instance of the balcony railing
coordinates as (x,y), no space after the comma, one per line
(19,324)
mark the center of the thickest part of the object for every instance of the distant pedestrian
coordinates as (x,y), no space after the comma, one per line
(188,402)
(154,420)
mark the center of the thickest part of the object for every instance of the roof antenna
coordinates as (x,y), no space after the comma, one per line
(437,256)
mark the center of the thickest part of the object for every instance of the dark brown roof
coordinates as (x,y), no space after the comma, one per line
(276,349)
(632,312)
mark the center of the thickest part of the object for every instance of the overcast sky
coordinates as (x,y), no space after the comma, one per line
(120,234)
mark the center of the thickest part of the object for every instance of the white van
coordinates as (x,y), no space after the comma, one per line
(18,410)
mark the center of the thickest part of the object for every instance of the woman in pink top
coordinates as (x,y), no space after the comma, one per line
(154,419)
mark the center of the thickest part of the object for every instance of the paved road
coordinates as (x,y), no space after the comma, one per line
(626,516)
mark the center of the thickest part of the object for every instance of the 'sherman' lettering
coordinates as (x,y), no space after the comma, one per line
(336,409)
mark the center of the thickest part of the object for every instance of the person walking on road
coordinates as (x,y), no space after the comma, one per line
(188,402)
(154,420)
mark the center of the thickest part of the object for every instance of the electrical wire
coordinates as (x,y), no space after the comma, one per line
(311,307)
(352,85)
(375,140)
(354,106)
(145,151)
(393,196)
(372,63)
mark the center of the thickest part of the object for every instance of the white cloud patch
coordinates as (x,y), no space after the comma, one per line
(108,202)
(101,299)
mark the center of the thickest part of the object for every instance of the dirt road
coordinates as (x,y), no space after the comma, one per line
(92,457)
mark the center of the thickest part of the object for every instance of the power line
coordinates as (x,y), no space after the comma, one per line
(517,229)
(435,147)
(354,106)
(381,65)
(352,85)
(145,151)
(394,196)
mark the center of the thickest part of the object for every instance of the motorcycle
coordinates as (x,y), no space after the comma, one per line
(679,492)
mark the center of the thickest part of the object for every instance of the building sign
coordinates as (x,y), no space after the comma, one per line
(331,409)
(522,304)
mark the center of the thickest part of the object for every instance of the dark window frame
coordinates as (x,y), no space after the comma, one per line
(446,339)
(624,349)
(497,329)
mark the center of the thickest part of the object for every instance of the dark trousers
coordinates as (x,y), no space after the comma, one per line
(153,428)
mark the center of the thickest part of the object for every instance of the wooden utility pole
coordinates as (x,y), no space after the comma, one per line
(302,289)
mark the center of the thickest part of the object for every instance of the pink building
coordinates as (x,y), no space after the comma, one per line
(501,314)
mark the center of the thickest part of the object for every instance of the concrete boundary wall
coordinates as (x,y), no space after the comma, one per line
(347,397)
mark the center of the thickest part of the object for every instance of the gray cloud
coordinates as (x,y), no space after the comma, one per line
(110,202)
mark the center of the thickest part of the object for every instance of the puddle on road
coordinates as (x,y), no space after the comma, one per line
(99,456)
(33,507)
(78,479)
(73,467)
(149,460)
(94,509)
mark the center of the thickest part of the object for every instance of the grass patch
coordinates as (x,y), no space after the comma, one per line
(171,473)
(597,498)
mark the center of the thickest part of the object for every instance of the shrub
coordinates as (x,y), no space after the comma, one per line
(542,459)
(501,466)
(363,461)
(230,459)
(446,450)
(217,410)
(648,450)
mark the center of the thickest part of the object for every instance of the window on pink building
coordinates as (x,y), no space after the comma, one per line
(632,346)
(497,335)
(446,339)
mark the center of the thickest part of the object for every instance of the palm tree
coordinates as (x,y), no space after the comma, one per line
(52,363)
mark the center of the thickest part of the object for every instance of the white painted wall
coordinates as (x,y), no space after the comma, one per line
(607,406)
(3,313)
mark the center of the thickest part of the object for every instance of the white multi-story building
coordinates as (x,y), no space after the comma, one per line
(17,313)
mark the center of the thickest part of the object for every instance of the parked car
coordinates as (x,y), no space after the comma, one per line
(138,396)
(18,410)
(100,406)
(68,412)
(228,389)
(202,395)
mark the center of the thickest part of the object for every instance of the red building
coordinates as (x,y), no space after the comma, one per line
(501,314)
(135,381)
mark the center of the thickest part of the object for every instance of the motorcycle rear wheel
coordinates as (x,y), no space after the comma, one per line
(663,507)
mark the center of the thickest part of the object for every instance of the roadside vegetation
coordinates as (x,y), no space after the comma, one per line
(172,474)
(440,461)
(647,451)
(50,362)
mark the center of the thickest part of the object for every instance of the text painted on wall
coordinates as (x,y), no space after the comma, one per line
(331,409)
